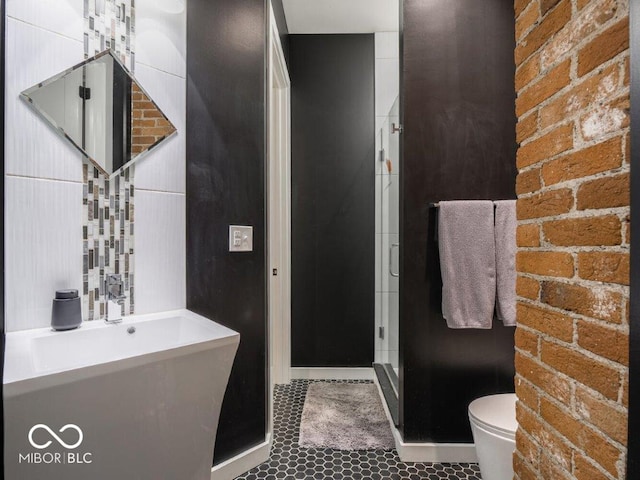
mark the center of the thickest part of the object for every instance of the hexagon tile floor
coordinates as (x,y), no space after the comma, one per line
(289,461)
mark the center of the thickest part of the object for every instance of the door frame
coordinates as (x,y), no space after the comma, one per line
(278,208)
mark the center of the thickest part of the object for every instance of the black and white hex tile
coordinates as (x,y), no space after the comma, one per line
(291,462)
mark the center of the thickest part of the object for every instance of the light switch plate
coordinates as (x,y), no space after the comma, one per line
(240,238)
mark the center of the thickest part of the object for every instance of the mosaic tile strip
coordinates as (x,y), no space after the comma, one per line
(110,24)
(108,211)
(108,237)
(290,461)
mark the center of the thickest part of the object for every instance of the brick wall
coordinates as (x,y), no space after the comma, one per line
(572,80)
(149,125)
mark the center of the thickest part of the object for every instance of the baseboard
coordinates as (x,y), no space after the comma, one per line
(435,452)
(243,462)
(428,452)
(337,373)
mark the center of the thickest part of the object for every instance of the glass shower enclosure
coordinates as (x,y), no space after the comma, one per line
(387,257)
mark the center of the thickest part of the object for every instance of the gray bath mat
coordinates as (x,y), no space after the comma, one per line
(344,416)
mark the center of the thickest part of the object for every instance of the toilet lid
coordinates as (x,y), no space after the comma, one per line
(496,411)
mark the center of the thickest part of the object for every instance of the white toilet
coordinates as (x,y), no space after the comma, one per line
(493,423)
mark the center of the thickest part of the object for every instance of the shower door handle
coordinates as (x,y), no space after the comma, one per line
(391,272)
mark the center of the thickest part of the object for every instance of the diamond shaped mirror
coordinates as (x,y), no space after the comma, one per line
(102,110)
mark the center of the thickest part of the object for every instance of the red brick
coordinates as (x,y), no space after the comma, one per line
(552,444)
(596,88)
(546,5)
(521,5)
(527,72)
(605,46)
(527,19)
(585,470)
(523,470)
(552,23)
(552,264)
(543,377)
(528,448)
(546,204)
(582,436)
(584,231)
(580,27)
(529,181)
(598,158)
(549,84)
(527,287)
(607,342)
(605,119)
(526,127)
(607,192)
(527,394)
(627,148)
(526,341)
(627,224)
(546,321)
(610,418)
(549,468)
(599,303)
(592,373)
(627,72)
(545,147)
(528,235)
(609,267)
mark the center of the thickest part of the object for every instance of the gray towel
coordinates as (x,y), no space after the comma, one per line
(505,234)
(468,263)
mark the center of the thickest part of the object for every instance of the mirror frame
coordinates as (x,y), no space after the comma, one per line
(25,95)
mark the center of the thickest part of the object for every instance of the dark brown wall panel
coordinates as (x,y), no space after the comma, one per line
(226,185)
(458,143)
(333,200)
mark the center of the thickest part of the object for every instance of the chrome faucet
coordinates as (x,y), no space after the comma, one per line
(113,291)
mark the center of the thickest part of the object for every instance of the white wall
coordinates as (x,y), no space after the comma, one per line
(160,226)
(43,205)
(387,70)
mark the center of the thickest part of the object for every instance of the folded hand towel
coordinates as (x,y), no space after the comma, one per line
(505,234)
(468,263)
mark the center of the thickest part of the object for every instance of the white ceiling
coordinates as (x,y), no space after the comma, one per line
(341,16)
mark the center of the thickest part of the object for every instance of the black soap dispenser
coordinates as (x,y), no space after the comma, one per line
(66,313)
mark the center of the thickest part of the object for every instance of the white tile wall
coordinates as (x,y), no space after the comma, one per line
(387,84)
(160,258)
(379,181)
(379,343)
(381,124)
(387,195)
(390,302)
(65,17)
(379,262)
(390,204)
(164,168)
(390,320)
(161,38)
(389,283)
(33,148)
(43,244)
(387,44)
(161,216)
(44,214)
